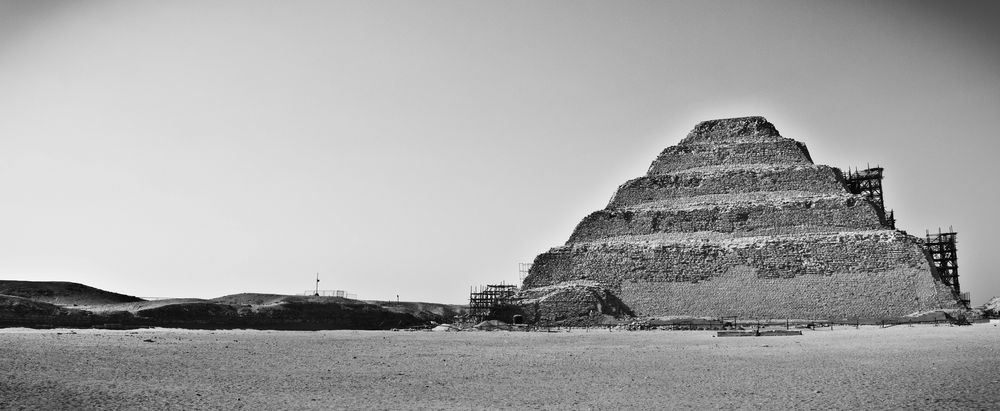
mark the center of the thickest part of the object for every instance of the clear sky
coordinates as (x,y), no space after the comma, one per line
(204,148)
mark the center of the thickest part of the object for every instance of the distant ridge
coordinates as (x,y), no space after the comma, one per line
(48,304)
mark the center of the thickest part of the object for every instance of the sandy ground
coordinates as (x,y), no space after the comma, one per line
(919,367)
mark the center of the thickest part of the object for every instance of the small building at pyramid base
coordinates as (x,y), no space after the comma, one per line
(737,221)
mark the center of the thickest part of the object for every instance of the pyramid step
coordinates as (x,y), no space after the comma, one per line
(728,180)
(688,156)
(808,214)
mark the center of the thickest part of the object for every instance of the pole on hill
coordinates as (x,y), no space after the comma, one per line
(316,294)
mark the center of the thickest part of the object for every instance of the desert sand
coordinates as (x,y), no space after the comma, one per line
(909,367)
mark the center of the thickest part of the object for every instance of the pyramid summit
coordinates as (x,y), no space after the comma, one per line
(728,129)
(737,220)
(731,142)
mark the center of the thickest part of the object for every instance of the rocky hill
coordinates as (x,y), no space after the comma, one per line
(62,293)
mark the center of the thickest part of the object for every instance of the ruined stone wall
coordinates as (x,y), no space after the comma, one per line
(818,179)
(570,301)
(859,275)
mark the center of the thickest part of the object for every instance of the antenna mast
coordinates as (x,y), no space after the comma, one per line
(316,294)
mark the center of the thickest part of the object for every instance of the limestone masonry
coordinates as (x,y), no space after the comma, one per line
(737,220)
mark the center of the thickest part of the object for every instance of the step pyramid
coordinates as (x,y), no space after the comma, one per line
(736,220)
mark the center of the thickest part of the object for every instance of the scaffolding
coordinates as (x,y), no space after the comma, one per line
(487,302)
(330,293)
(943,252)
(868,183)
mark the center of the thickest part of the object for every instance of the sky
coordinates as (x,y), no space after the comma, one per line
(419,148)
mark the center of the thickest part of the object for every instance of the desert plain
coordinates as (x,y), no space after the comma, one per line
(900,367)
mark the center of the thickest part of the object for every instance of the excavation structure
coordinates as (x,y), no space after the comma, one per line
(737,221)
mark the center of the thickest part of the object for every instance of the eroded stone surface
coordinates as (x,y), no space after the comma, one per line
(736,220)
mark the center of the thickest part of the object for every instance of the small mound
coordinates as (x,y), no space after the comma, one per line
(189,311)
(493,325)
(425,311)
(62,293)
(250,299)
(573,303)
(952,315)
(134,307)
(992,307)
